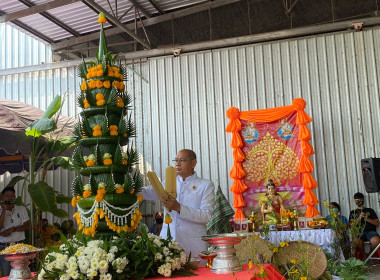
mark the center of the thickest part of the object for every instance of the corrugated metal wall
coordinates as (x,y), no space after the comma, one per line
(18,49)
(180,102)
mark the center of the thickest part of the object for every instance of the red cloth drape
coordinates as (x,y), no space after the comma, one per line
(306,165)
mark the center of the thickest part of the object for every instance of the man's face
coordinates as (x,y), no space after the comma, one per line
(8,196)
(184,164)
(359,201)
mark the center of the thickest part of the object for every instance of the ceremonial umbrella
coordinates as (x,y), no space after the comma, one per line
(15,146)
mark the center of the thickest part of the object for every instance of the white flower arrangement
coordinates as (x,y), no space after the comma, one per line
(130,255)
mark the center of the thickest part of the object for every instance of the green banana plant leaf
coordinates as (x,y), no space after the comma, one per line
(45,124)
(63,162)
(14,181)
(60,144)
(44,198)
(63,199)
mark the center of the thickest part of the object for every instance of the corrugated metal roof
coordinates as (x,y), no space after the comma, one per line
(79,17)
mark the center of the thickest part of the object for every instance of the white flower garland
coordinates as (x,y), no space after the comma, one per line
(107,208)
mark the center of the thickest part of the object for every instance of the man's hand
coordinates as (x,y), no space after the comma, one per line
(171,204)
(7,232)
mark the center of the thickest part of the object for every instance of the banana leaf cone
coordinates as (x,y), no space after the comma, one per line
(102,41)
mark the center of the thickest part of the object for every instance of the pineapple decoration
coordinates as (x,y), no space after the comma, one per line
(106,184)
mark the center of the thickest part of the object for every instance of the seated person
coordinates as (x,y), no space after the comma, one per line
(271,204)
(335,207)
(157,226)
(368,219)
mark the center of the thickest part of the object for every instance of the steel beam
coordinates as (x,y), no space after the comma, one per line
(118,23)
(36,9)
(147,22)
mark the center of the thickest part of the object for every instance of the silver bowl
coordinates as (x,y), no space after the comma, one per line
(20,264)
(226,260)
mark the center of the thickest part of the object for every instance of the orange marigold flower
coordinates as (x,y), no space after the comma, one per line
(113,127)
(132,191)
(107,161)
(87,105)
(97,133)
(99,73)
(119,190)
(98,67)
(92,84)
(97,127)
(114,133)
(107,84)
(88,75)
(99,83)
(100,102)
(115,69)
(99,96)
(125,134)
(168,220)
(83,86)
(86,193)
(124,162)
(74,202)
(111,73)
(102,19)
(90,163)
(140,197)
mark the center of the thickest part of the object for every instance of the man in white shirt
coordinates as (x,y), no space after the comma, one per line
(14,220)
(193,207)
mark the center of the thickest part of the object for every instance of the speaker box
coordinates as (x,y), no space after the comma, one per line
(371,174)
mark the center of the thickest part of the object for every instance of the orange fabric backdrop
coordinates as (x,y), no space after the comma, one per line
(306,166)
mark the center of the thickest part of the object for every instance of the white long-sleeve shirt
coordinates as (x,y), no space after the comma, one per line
(196,196)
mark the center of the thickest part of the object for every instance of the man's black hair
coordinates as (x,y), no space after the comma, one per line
(358,195)
(7,189)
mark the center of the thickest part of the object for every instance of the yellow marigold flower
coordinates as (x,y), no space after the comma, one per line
(293,261)
(100,102)
(119,190)
(275,249)
(107,84)
(90,162)
(74,202)
(107,161)
(262,270)
(303,278)
(282,244)
(99,73)
(102,18)
(257,236)
(250,264)
(99,84)
(325,204)
(86,193)
(78,197)
(99,96)
(140,197)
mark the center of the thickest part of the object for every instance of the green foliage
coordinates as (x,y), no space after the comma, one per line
(44,197)
(131,127)
(82,70)
(78,131)
(123,126)
(133,156)
(77,159)
(86,126)
(80,99)
(118,156)
(138,181)
(112,97)
(352,269)
(77,186)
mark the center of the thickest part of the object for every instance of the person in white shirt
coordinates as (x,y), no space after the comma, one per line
(193,207)
(14,221)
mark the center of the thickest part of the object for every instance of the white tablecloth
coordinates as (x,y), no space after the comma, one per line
(321,237)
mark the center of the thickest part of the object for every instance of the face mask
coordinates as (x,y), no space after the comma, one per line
(359,203)
(159,220)
(335,210)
